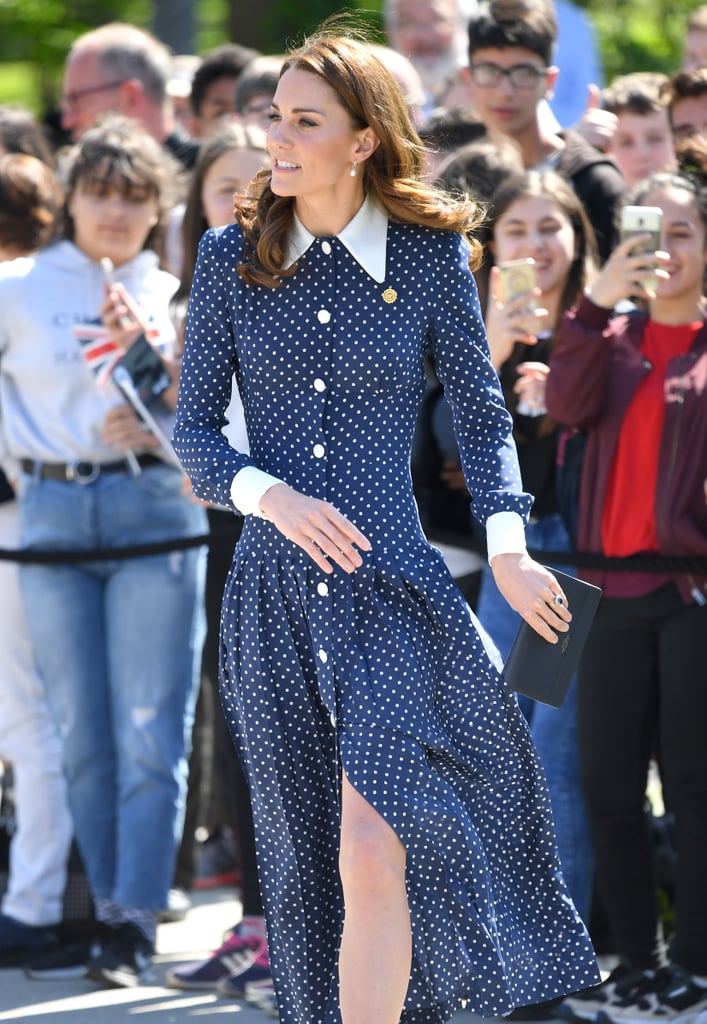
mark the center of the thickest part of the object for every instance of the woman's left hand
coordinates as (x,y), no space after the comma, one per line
(124,430)
(533,592)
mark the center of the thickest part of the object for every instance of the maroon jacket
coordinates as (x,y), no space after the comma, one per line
(596,368)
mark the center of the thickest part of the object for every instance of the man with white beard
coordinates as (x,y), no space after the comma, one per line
(432,34)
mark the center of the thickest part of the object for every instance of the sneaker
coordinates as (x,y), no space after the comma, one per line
(236,984)
(585,1005)
(125,959)
(18,939)
(237,953)
(67,960)
(216,861)
(178,906)
(262,995)
(673,997)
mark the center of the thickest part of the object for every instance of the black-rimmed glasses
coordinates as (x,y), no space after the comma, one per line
(70,99)
(521,76)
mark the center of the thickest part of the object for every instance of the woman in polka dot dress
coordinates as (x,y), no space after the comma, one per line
(406,853)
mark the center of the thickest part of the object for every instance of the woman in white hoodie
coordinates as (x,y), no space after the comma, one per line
(32,905)
(116,640)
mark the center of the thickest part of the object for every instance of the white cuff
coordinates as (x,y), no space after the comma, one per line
(248,487)
(505,533)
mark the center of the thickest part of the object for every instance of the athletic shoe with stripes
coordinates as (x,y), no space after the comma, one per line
(238,952)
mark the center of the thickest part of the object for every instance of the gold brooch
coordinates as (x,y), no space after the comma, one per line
(390,295)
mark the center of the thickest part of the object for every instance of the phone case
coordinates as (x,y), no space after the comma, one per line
(515,278)
(640,220)
(146,369)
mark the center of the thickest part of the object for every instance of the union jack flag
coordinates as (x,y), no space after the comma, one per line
(101,353)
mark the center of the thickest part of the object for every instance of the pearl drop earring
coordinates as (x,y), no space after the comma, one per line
(352,172)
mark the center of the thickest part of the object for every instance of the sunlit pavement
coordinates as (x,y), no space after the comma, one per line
(80,1001)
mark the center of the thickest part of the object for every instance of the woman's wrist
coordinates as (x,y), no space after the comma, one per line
(265,504)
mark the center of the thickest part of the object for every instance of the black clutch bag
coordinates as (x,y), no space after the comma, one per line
(542,670)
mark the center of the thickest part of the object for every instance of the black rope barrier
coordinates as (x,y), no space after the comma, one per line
(586,559)
(35,556)
(580,559)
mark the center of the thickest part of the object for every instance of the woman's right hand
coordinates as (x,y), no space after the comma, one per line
(316,526)
(628,272)
(511,322)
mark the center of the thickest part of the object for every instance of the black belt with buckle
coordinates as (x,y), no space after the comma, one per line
(83,471)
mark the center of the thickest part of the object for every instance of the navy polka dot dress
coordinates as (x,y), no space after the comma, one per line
(382,671)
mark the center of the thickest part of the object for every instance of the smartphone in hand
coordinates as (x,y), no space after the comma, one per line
(517,277)
(643,220)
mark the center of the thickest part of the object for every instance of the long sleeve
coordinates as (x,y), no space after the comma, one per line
(482,423)
(207,373)
(576,385)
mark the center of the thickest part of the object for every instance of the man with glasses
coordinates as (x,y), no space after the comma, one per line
(510,75)
(121,69)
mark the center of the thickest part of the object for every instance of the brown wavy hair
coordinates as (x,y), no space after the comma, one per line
(391,175)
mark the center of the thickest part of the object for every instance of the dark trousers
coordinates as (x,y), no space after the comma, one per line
(642,682)
(224,791)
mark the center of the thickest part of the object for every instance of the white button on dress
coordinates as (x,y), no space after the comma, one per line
(319,451)
(319,384)
(322,589)
(326,248)
(323,316)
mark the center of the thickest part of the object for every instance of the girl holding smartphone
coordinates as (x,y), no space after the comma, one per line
(636,384)
(537,217)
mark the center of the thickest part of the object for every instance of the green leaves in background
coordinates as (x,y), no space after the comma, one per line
(36,34)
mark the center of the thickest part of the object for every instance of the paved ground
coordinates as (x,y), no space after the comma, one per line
(80,1001)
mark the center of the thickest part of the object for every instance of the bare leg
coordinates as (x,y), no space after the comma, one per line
(376,948)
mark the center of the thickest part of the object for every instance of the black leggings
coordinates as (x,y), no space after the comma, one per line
(642,680)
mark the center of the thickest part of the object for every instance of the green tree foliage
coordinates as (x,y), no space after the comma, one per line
(36,34)
(284,22)
(640,35)
(39,32)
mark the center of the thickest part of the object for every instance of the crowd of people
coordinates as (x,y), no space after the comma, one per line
(319,715)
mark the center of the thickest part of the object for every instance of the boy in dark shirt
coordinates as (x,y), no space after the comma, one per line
(510,72)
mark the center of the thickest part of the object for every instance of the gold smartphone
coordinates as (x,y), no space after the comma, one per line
(516,277)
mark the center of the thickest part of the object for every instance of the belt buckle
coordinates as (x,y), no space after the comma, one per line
(82,472)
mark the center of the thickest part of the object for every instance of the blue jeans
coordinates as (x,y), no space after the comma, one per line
(554,730)
(118,645)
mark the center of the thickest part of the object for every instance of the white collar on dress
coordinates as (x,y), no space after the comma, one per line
(365,237)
